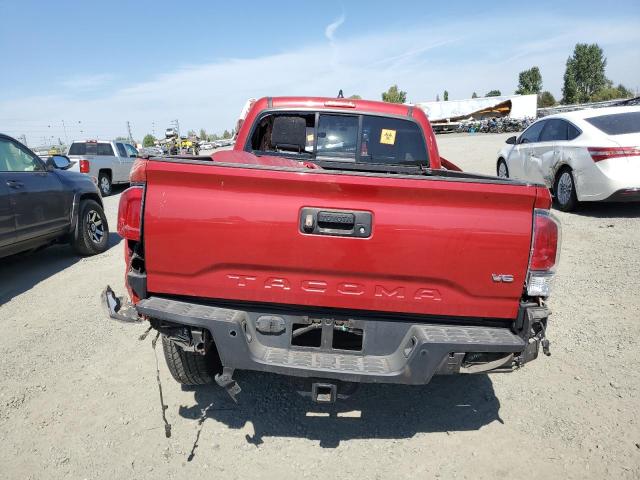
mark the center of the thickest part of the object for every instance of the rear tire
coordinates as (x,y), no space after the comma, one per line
(564,189)
(190,368)
(104,183)
(91,235)
(502,170)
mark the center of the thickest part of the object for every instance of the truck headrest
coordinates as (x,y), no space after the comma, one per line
(289,133)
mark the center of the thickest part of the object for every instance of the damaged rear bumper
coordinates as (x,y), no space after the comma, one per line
(390,351)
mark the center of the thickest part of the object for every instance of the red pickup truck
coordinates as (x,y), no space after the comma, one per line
(332,244)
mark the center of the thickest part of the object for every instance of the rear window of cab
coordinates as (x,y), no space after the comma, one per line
(343,137)
(91,148)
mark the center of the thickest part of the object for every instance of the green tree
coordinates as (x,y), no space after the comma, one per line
(585,74)
(474,95)
(546,99)
(493,93)
(569,87)
(445,96)
(148,140)
(226,134)
(612,93)
(624,91)
(355,97)
(203,134)
(393,95)
(529,81)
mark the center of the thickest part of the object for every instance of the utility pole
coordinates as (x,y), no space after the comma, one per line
(66,139)
(153,129)
(129,131)
(176,123)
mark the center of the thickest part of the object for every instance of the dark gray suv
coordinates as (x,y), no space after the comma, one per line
(43,203)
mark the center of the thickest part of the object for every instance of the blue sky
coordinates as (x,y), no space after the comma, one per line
(96,65)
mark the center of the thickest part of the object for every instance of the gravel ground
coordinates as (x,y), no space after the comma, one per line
(78,397)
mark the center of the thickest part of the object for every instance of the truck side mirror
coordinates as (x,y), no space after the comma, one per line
(512,140)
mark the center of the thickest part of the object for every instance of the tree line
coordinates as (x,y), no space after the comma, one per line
(584,81)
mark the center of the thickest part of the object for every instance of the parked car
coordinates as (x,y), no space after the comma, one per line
(108,163)
(330,244)
(153,151)
(583,156)
(43,203)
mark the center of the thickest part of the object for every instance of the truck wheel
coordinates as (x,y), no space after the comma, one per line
(104,183)
(190,368)
(502,170)
(564,189)
(91,235)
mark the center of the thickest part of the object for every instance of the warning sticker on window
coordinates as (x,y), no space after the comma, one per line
(388,137)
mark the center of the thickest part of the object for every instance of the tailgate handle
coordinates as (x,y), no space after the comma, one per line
(341,223)
(336,220)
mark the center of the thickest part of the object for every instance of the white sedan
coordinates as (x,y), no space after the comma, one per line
(582,156)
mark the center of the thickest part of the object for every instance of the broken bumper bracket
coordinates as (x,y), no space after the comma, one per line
(117,308)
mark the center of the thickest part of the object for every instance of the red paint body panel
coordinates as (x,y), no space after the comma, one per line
(232,232)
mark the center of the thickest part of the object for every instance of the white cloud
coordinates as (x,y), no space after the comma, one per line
(87,82)
(461,58)
(330,31)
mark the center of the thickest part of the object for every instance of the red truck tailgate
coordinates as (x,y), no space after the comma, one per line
(233,233)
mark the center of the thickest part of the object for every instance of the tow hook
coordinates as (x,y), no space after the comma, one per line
(117,308)
(545,347)
(226,381)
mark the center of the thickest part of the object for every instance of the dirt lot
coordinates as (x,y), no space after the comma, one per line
(78,397)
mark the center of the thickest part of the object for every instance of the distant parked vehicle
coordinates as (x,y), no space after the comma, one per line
(582,156)
(108,163)
(151,151)
(42,202)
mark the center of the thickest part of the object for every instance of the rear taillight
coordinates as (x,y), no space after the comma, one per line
(84,166)
(605,153)
(130,213)
(545,253)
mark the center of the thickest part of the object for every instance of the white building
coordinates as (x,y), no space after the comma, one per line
(452,111)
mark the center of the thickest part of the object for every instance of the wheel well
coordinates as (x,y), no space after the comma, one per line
(91,196)
(498,164)
(559,170)
(107,171)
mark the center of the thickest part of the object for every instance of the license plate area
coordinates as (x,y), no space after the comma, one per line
(328,334)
